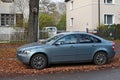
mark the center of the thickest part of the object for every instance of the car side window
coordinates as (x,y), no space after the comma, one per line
(96,40)
(70,39)
(84,38)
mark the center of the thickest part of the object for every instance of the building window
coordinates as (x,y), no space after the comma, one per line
(7,19)
(71,5)
(7,1)
(108,19)
(71,21)
(108,1)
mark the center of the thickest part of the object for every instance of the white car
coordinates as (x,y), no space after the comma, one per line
(51,30)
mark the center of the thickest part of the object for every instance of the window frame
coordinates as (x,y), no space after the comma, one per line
(81,35)
(7,1)
(71,5)
(107,2)
(58,41)
(105,19)
(7,19)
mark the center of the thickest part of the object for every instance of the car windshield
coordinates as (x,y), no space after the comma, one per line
(49,40)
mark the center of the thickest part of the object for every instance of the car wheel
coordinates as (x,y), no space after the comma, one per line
(100,58)
(38,61)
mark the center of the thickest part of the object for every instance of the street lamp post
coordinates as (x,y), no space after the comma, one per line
(98,13)
(38,36)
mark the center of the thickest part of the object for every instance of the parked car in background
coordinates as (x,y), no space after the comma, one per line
(67,47)
(51,30)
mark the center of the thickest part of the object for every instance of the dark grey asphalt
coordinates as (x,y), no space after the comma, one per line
(110,74)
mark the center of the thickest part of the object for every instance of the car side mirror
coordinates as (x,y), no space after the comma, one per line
(58,43)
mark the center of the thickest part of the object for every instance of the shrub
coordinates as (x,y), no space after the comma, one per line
(109,31)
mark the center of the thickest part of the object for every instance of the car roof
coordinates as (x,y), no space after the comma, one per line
(78,32)
(74,32)
(50,27)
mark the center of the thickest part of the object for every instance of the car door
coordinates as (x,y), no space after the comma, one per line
(64,49)
(86,47)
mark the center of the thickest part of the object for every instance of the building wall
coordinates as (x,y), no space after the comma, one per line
(85,14)
(7,8)
(105,9)
(81,13)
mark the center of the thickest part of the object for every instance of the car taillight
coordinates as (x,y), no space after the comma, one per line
(113,46)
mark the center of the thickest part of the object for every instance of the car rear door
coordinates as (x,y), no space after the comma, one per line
(86,47)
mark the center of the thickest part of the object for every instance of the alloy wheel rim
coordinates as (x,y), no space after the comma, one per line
(101,58)
(38,62)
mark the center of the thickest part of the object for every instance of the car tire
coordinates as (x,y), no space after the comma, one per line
(38,61)
(100,58)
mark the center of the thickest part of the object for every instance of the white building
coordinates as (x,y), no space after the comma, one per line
(82,14)
(9,16)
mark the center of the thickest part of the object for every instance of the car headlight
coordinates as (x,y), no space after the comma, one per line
(26,52)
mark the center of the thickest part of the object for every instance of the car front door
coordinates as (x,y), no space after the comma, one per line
(64,49)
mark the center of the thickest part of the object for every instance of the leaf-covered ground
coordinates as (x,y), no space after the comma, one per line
(9,65)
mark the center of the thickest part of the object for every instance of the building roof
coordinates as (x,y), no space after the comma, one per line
(67,0)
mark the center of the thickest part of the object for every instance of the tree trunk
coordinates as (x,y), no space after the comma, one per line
(33,20)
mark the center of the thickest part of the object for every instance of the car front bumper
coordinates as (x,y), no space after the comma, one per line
(23,58)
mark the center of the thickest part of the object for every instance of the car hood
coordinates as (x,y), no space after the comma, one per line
(31,46)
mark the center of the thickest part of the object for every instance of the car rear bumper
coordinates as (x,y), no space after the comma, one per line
(110,56)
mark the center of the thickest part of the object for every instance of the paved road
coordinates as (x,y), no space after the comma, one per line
(110,74)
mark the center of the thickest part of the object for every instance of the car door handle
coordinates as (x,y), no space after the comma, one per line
(93,46)
(72,47)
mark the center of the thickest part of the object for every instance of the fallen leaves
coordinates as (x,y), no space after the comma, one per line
(16,67)
(10,65)
(8,53)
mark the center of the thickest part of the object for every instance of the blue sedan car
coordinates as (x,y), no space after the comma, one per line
(67,47)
